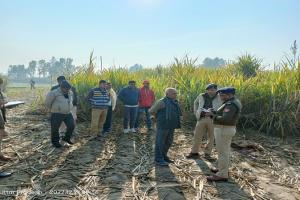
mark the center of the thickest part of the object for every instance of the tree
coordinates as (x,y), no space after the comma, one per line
(42,70)
(31,68)
(247,65)
(135,68)
(17,72)
(213,63)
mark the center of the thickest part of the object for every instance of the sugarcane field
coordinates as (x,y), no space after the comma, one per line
(150,100)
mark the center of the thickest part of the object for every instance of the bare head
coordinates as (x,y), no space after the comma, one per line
(211,89)
(102,84)
(171,93)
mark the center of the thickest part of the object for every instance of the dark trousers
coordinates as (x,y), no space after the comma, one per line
(56,120)
(163,142)
(108,121)
(148,119)
(130,114)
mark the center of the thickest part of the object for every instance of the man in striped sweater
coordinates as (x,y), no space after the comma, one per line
(98,98)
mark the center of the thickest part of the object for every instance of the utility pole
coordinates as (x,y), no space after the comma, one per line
(101,62)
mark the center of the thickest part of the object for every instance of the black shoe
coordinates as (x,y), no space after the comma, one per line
(193,156)
(67,141)
(57,145)
(208,157)
(5,174)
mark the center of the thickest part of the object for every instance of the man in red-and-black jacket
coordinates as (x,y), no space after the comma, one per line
(146,100)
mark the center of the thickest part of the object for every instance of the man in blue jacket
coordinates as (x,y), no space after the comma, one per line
(129,96)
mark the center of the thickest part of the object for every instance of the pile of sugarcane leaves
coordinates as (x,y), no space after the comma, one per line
(248,155)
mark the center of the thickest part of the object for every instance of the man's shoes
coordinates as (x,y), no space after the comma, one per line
(57,145)
(5,174)
(216,178)
(208,157)
(214,170)
(133,130)
(126,130)
(168,160)
(193,156)
(4,158)
(67,141)
(162,163)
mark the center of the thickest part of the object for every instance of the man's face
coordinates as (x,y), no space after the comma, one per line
(225,97)
(132,85)
(172,94)
(65,91)
(102,85)
(108,86)
(60,81)
(146,85)
(211,92)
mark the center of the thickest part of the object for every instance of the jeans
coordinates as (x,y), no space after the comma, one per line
(130,114)
(108,121)
(56,120)
(148,119)
(163,142)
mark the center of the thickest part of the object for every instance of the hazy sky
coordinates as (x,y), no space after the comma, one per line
(149,32)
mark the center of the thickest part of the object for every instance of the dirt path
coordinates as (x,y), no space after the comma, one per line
(121,166)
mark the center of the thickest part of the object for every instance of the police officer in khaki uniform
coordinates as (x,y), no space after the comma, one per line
(204,103)
(225,120)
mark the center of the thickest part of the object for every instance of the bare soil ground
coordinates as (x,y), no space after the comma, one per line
(121,166)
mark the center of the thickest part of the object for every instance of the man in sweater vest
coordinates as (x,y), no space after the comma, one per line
(98,98)
(168,114)
(205,103)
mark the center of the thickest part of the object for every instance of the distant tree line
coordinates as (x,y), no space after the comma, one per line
(42,69)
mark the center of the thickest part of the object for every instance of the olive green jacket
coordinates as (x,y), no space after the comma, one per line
(228,114)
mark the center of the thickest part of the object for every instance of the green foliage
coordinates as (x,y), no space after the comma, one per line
(270,98)
(247,65)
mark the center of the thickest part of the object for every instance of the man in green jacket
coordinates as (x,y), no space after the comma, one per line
(225,120)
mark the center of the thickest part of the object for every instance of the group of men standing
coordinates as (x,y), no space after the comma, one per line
(62,102)
(217,112)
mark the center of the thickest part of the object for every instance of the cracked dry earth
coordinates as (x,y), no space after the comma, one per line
(121,166)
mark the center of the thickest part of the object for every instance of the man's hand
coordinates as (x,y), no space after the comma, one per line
(3,133)
(2,102)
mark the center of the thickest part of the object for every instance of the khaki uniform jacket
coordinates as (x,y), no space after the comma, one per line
(57,103)
(199,103)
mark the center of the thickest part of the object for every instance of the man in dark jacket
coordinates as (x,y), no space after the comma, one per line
(225,120)
(130,98)
(168,115)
